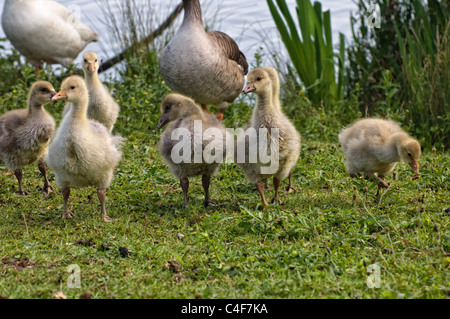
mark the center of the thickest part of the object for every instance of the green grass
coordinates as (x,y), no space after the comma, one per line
(317,245)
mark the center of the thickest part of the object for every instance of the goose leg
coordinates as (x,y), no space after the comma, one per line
(205,109)
(260,187)
(266,184)
(394,176)
(381,184)
(290,188)
(101,194)
(184,182)
(205,183)
(19,175)
(37,69)
(66,193)
(379,178)
(47,189)
(219,115)
(276,184)
(221,108)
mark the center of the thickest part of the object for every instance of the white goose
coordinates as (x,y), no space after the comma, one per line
(45,31)
(206,66)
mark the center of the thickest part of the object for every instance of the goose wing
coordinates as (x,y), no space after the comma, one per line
(230,48)
(69,17)
(71,152)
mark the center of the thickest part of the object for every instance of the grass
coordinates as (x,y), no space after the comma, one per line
(319,244)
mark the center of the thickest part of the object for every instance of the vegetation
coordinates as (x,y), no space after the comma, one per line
(412,44)
(319,244)
(311,50)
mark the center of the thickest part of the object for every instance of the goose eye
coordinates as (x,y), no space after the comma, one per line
(409,154)
(258,78)
(72,87)
(167,108)
(44,90)
(85,60)
(95,60)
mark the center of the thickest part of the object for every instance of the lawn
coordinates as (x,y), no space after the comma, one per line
(321,243)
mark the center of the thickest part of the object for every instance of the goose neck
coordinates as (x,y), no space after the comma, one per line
(264,101)
(34,107)
(391,149)
(192,12)
(92,78)
(193,111)
(78,109)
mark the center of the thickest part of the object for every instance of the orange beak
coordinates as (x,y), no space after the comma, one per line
(250,87)
(91,67)
(415,166)
(61,95)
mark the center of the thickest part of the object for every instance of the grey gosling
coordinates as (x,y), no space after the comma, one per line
(181,113)
(25,134)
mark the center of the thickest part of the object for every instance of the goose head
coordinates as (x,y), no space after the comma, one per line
(258,82)
(41,93)
(176,106)
(73,89)
(90,62)
(409,152)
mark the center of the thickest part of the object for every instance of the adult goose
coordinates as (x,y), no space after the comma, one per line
(375,146)
(206,66)
(45,31)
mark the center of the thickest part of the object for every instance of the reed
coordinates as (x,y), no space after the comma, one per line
(412,45)
(309,43)
(425,56)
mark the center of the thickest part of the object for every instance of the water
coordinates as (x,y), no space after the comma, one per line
(248,22)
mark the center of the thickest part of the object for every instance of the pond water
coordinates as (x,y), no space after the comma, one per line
(248,22)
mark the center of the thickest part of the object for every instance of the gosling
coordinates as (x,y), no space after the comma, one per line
(102,106)
(284,151)
(25,134)
(184,118)
(83,152)
(375,146)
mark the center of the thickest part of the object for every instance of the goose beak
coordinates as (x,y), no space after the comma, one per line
(91,67)
(61,95)
(52,94)
(415,166)
(163,120)
(249,88)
